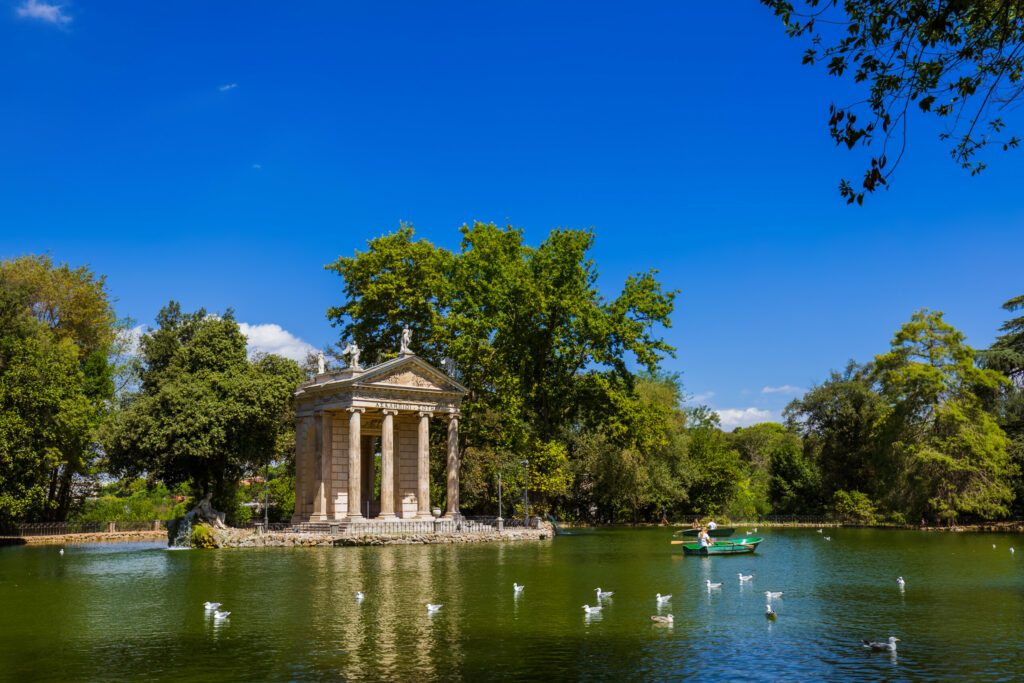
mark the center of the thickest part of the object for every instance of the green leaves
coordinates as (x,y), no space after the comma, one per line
(56,330)
(952,57)
(205,414)
(525,328)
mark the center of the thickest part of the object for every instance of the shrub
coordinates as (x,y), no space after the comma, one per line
(202,536)
(854,507)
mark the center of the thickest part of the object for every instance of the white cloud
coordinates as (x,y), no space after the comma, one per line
(784,389)
(130,339)
(272,338)
(43,11)
(699,399)
(743,417)
(227,86)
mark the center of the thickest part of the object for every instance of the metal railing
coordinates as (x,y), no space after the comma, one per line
(67,528)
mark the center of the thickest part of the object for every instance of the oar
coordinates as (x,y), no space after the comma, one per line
(677,542)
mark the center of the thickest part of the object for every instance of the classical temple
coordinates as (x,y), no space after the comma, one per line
(347,421)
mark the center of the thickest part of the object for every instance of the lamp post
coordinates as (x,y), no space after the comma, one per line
(266,498)
(526,494)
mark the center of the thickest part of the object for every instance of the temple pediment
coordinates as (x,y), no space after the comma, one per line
(409,372)
(412,378)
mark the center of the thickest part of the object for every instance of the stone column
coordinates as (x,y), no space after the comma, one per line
(300,475)
(423,467)
(387,466)
(326,470)
(355,454)
(316,466)
(453,466)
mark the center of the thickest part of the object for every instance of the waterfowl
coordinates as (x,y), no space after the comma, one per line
(877,646)
(658,619)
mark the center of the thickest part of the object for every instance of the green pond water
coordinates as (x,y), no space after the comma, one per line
(134,611)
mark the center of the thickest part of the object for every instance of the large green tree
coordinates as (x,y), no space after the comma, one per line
(840,421)
(525,328)
(1006,356)
(953,455)
(961,61)
(205,413)
(55,382)
(912,432)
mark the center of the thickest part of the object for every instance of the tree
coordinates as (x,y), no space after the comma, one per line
(719,468)
(778,478)
(952,453)
(205,414)
(524,328)
(1006,356)
(57,331)
(840,422)
(962,62)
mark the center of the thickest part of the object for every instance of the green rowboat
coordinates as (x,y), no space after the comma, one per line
(733,546)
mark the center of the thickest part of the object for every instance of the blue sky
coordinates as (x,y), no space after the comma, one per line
(221,153)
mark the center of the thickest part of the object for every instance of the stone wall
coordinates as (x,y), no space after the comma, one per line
(245,539)
(115,537)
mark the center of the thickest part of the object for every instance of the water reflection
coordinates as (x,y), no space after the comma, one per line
(139,611)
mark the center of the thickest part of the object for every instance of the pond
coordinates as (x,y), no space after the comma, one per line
(113,612)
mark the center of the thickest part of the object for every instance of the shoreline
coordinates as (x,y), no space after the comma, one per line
(245,538)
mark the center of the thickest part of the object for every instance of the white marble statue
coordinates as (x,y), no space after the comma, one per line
(406,341)
(352,351)
(321,364)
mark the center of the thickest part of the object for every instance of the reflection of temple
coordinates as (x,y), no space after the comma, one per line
(362,442)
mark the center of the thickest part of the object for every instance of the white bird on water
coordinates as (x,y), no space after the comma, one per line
(516,588)
(878,646)
(1012,551)
(433,609)
(769,613)
(591,610)
(828,538)
(662,599)
(211,606)
(993,546)
(221,616)
(745,577)
(773,594)
(821,531)
(712,585)
(359,596)
(901,583)
(603,594)
(62,550)
(667,619)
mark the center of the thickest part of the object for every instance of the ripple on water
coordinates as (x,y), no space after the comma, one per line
(136,610)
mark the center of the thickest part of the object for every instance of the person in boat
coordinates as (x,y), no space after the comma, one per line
(703,538)
(712,526)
